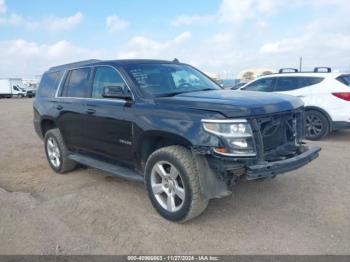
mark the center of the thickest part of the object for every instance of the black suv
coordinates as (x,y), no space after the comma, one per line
(168,125)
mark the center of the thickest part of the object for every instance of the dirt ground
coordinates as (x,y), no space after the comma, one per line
(87,212)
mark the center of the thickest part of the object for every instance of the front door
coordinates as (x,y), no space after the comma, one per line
(108,128)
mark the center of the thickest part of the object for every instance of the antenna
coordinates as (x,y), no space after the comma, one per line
(176,61)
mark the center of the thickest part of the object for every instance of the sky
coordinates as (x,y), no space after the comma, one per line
(217,36)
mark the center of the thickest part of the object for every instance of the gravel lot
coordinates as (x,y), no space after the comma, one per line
(87,212)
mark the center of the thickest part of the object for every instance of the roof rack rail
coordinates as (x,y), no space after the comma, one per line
(75,64)
(321,68)
(288,70)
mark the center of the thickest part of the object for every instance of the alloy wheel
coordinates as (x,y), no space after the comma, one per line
(314,125)
(53,152)
(167,186)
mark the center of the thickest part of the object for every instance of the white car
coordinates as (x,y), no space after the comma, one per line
(326,96)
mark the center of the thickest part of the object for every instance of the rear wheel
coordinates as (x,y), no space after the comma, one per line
(172,184)
(57,153)
(317,125)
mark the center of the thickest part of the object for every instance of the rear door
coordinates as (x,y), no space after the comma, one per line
(108,124)
(71,107)
(296,85)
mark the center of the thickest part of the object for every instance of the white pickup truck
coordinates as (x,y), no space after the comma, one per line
(11,87)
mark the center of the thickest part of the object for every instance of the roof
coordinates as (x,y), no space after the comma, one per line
(117,62)
(309,74)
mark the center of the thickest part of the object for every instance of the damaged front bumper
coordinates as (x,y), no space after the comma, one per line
(271,169)
(218,174)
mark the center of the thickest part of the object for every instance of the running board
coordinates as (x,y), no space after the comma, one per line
(114,170)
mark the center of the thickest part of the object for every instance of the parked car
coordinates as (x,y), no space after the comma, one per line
(238,86)
(168,125)
(30,92)
(11,87)
(326,96)
(227,83)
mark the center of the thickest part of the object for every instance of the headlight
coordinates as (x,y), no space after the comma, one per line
(236,135)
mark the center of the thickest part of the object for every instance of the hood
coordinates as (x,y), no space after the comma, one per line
(233,103)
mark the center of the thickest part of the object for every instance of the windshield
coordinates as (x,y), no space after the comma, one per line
(169,79)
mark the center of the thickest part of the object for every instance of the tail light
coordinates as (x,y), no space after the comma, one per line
(344,95)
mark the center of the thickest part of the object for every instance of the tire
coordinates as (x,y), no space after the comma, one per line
(181,173)
(59,152)
(317,125)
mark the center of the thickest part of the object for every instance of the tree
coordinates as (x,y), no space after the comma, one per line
(266,73)
(248,76)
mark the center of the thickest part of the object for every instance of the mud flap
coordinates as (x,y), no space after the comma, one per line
(211,184)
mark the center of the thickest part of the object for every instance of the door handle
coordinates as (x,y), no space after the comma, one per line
(59,107)
(90,111)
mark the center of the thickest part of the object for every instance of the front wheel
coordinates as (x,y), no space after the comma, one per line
(172,184)
(317,125)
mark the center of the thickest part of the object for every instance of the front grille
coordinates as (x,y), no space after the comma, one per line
(280,130)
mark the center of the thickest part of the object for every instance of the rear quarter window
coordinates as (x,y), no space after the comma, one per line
(344,79)
(49,84)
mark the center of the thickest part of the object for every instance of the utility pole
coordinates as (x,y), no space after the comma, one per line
(300,63)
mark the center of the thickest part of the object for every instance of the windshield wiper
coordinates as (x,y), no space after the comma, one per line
(205,89)
(170,94)
(183,92)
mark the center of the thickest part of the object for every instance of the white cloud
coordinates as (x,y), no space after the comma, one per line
(2,6)
(63,23)
(182,37)
(21,58)
(221,38)
(17,20)
(50,24)
(115,23)
(235,11)
(194,19)
(144,47)
(316,43)
(238,11)
(282,46)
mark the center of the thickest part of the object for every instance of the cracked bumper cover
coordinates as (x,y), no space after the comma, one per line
(272,169)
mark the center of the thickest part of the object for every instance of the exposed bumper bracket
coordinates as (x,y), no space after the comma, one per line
(278,167)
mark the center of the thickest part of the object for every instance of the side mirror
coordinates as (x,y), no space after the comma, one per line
(115,92)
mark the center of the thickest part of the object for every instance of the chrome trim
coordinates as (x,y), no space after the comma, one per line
(224,120)
(102,99)
(60,83)
(95,99)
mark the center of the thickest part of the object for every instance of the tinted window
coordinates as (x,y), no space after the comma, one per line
(104,77)
(345,79)
(49,83)
(166,79)
(77,83)
(291,83)
(264,85)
